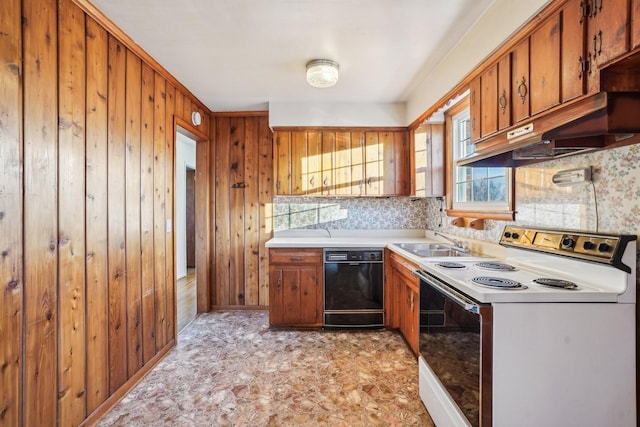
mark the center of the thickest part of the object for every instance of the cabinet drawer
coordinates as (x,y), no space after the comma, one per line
(295,256)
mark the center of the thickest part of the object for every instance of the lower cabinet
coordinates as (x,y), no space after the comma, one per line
(403,303)
(295,287)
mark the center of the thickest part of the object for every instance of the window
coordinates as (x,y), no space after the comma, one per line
(473,191)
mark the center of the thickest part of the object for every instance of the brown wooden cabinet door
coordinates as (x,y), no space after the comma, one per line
(299,157)
(475,110)
(608,35)
(282,162)
(314,163)
(342,165)
(545,66)
(504,92)
(357,163)
(372,156)
(429,160)
(489,101)
(400,164)
(413,314)
(574,58)
(520,85)
(295,288)
(328,156)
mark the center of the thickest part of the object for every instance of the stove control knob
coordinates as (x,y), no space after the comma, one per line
(568,243)
(604,247)
(588,245)
(515,236)
(507,234)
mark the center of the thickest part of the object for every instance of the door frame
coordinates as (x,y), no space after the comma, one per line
(202,212)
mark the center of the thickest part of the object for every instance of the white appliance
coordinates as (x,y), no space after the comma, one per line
(548,338)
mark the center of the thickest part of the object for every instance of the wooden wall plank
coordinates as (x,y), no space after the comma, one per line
(40,212)
(72,354)
(170,106)
(187,108)
(133,227)
(180,105)
(251,211)
(203,200)
(146,214)
(11,286)
(223,207)
(96,216)
(265,168)
(236,189)
(159,138)
(116,213)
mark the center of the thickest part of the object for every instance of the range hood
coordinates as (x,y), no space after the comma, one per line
(586,125)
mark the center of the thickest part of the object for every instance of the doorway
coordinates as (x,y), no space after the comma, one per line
(186,286)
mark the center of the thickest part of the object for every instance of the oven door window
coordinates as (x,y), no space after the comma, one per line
(450,344)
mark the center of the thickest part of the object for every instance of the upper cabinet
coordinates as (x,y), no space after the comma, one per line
(520,81)
(544,65)
(429,158)
(607,35)
(555,60)
(344,162)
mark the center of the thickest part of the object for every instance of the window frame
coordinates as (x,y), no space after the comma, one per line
(475,210)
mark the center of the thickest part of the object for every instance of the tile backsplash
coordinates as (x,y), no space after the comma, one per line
(377,213)
(610,203)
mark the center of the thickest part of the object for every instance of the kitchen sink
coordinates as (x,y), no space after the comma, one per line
(430,249)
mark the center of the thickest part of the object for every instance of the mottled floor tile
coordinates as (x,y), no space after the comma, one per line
(230,369)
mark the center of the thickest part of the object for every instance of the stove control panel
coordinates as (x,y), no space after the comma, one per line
(589,246)
(594,247)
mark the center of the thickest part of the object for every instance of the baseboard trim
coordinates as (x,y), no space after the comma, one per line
(116,397)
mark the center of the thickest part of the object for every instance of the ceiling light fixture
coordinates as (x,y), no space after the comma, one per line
(322,72)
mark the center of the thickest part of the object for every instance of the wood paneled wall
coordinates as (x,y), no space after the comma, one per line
(242,217)
(87,136)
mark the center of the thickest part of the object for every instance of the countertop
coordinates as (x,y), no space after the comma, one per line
(340,238)
(323,238)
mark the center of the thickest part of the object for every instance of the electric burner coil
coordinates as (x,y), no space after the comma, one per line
(498,283)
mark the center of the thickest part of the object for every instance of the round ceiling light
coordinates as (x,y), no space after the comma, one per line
(322,72)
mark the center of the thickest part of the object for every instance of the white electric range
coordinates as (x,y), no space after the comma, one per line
(544,336)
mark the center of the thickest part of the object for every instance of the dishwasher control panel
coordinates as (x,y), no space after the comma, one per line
(353,255)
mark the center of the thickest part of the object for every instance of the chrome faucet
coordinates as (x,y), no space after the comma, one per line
(457,244)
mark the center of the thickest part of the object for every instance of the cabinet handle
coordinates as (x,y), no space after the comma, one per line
(312,181)
(599,51)
(584,11)
(522,89)
(297,258)
(597,7)
(588,61)
(279,284)
(326,182)
(502,101)
(369,182)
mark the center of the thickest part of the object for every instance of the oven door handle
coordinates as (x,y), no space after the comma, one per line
(458,298)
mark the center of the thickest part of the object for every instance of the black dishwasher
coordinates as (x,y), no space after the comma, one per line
(354,288)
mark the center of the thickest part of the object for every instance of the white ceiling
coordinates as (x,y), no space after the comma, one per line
(239,55)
